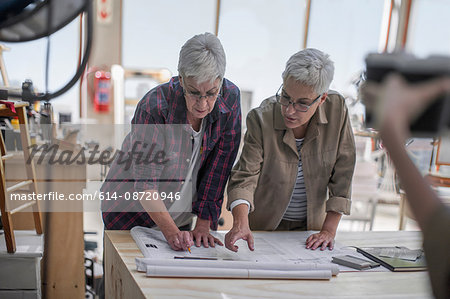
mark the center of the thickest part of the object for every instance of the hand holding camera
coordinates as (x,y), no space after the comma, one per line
(413,91)
(396,103)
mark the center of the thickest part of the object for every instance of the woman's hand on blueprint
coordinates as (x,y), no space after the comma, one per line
(179,240)
(323,239)
(201,234)
(238,232)
(240,229)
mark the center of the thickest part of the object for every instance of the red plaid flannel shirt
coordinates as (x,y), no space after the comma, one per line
(165,104)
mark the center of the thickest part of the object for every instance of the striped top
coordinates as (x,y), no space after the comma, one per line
(296,210)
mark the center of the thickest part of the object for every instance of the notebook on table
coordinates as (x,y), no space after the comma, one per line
(397,259)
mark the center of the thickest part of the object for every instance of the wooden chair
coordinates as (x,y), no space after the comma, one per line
(435,177)
(30,182)
(364,195)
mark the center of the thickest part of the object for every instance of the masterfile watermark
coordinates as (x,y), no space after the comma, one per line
(97,195)
(115,168)
(52,195)
(147,155)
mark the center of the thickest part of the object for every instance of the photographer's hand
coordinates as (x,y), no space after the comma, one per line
(397,104)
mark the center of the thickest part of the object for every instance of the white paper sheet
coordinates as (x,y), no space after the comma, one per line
(153,245)
(400,253)
(270,247)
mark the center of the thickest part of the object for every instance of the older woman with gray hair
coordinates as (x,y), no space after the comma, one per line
(297,162)
(201,97)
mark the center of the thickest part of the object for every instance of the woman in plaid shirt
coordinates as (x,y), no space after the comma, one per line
(206,107)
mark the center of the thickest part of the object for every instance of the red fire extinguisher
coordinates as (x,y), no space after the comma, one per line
(102,90)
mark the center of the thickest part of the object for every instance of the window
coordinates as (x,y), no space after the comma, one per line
(347,30)
(27,61)
(154,30)
(259,36)
(429,28)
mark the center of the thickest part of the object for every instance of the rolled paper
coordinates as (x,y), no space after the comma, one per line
(275,274)
(142,264)
(164,271)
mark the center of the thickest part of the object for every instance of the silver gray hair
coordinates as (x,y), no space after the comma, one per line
(202,57)
(310,67)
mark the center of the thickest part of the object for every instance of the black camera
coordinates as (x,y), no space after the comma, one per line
(437,116)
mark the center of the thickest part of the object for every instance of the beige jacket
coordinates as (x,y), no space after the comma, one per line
(266,172)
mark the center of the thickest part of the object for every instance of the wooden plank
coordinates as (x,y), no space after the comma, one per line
(17,104)
(22,207)
(31,172)
(6,217)
(18,186)
(64,256)
(6,157)
(6,220)
(119,283)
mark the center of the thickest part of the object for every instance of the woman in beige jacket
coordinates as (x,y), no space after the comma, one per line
(297,162)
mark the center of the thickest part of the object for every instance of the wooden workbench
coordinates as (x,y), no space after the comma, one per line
(123,281)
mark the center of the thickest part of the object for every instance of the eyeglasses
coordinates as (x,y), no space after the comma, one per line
(285,100)
(198,97)
(210,97)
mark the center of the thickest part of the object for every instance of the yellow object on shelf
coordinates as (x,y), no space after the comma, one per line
(15,123)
